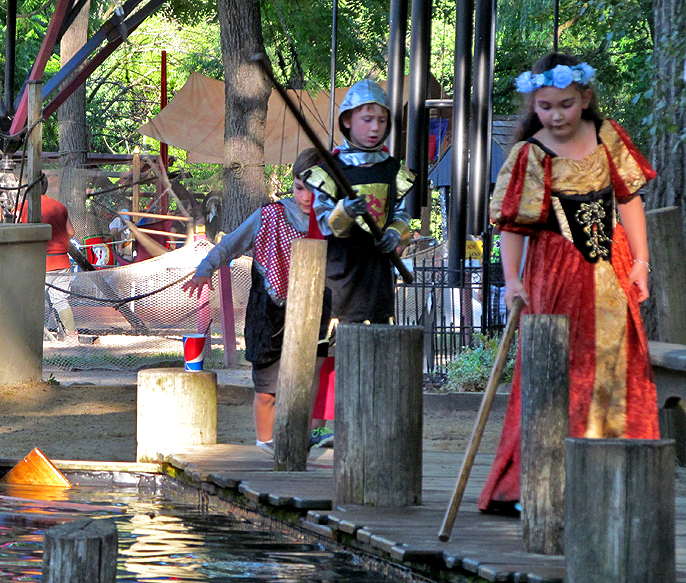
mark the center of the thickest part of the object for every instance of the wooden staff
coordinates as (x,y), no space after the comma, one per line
(335,171)
(481,419)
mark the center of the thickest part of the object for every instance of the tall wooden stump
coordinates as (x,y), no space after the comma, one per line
(378,453)
(299,354)
(545,426)
(620,517)
(175,408)
(83,551)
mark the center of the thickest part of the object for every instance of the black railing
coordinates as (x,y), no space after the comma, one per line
(450,314)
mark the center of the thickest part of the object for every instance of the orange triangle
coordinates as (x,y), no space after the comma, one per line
(36,470)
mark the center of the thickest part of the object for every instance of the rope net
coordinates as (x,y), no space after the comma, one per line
(135,316)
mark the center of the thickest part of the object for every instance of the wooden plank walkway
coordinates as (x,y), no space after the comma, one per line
(487,546)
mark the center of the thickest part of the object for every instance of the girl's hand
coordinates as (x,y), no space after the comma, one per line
(197,283)
(638,277)
(513,289)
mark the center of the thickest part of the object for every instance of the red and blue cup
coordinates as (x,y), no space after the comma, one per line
(193,351)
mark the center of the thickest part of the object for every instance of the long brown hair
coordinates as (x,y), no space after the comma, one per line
(529,122)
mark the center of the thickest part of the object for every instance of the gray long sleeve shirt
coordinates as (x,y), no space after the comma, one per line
(242,239)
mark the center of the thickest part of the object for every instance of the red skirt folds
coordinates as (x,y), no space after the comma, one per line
(560,281)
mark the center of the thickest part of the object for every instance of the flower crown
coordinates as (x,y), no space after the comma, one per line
(560,76)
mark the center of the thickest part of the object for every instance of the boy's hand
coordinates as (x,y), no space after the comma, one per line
(355,207)
(389,241)
(197,283)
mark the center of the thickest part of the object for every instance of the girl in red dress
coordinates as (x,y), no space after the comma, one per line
(571,185)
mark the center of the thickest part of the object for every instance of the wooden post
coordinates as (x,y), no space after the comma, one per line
(545,426)
(378,453)
(227,315)
(35,150)
(299,354)
(83,551)
(667,251)
(673,426)
(620,515)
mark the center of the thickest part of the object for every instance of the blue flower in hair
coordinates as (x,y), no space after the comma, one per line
(562,76)
(588,73)
(525,83)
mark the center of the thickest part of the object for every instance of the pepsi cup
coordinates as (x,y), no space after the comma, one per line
(193,351)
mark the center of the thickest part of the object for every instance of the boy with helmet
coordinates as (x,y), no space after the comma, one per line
(359,271)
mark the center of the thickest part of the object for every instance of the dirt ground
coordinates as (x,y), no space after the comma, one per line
(98,423)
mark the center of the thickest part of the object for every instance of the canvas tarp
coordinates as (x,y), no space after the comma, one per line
(194,121)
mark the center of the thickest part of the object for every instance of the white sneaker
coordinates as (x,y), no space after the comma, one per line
(267,446)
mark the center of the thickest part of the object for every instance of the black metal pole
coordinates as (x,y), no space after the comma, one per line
(482,100)
(417,114)
(10,44)
(396,74)
(556,24)
(459,172)
(334,51)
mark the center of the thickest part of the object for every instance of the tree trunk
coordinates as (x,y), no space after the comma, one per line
(247,94)
(73,132)
(668,150)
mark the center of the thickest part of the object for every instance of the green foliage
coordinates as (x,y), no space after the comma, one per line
(614,36)
(298,40)
(125,91)
(471,369)
(436,226)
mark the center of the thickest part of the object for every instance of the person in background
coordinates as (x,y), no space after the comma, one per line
(269,232)
(121,235)
(57,262)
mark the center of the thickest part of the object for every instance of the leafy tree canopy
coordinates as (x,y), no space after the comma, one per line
(614,36)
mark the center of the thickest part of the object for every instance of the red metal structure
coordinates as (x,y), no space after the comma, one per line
(114,32)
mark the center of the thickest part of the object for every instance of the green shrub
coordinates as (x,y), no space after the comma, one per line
(471,369)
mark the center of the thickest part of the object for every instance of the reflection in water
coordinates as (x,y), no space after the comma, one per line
(160,541)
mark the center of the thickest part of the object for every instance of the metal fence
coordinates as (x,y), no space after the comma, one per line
(452,307)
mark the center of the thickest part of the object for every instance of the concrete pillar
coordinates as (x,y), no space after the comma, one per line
(175,409)
(22,301)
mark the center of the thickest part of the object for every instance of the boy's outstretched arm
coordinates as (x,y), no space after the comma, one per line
(231,246)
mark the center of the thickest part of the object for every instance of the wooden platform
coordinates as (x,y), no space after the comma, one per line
(487,546)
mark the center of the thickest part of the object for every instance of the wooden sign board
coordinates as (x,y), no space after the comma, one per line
(36,470)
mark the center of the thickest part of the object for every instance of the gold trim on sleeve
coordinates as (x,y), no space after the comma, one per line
(404,180)
(316,178)
(340,221)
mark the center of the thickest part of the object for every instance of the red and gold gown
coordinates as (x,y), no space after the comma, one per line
(577,264)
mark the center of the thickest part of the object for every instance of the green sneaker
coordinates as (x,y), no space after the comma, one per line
(321,437)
